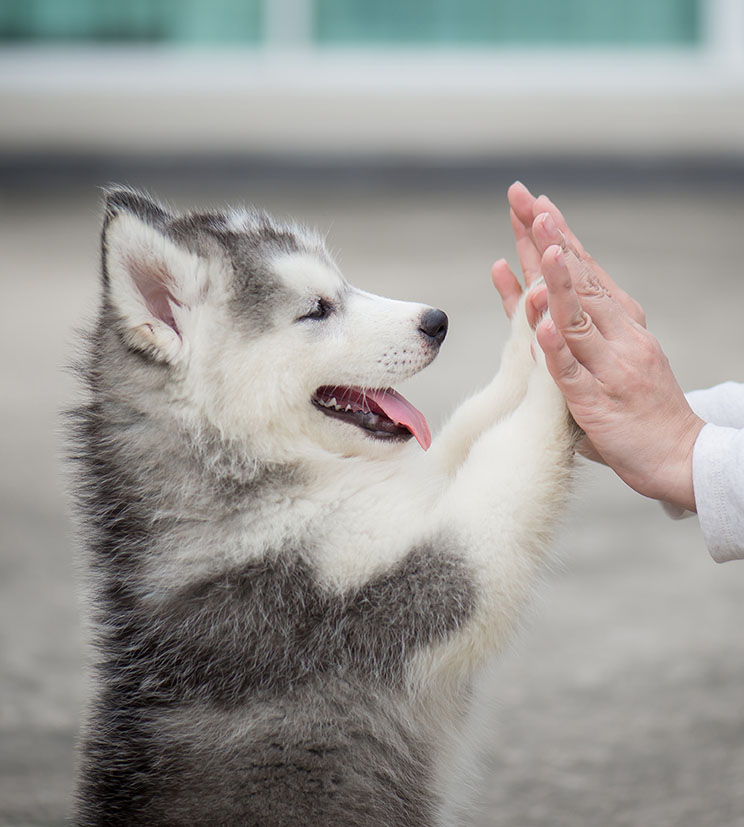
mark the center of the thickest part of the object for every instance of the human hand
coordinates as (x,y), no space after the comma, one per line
(524,209)
(617,382)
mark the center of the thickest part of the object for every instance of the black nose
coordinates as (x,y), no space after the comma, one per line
(434,325)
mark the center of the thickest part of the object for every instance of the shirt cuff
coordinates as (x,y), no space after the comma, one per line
(718,482)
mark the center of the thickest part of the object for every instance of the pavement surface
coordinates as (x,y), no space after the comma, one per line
(621,703)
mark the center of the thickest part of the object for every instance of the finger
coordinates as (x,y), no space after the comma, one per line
(521,201)
(599,295)
(592,285)
(536,305)
(599,280)
(546,230)
(529,255)
(543,204)
(508,286)
(575,325)
(610,317)
(630,306)
(574,381)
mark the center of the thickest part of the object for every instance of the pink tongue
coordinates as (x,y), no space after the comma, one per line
(400,410)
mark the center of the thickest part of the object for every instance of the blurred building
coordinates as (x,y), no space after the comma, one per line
(352,22)
(394,78)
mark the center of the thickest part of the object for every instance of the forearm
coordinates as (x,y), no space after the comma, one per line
(492,404)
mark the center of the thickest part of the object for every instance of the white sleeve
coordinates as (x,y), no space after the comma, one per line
(721,405)
(718,481)
(718,470)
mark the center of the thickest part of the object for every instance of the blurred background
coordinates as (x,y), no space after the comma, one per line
(395,126)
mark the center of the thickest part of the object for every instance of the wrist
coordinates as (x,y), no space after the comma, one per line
(675,483)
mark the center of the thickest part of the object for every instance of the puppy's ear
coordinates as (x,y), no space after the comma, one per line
(151,282)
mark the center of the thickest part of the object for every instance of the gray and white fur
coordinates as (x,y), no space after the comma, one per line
(289,601)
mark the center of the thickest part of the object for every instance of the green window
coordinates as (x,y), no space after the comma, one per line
(195,21)
(517,22)
(371,22)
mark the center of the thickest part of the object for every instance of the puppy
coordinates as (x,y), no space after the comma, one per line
(289,597)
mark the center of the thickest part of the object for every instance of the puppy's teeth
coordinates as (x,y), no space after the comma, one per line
(347,408)
(332,402)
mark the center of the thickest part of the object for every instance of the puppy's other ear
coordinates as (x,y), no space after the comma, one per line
(150,282)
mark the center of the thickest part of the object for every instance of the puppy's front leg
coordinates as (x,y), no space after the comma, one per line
(507,389)
(500,511)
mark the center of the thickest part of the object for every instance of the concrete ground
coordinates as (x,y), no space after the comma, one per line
(622,702)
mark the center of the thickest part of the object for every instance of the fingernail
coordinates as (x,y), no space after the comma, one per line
(549,224)
(559,260)
(547,325)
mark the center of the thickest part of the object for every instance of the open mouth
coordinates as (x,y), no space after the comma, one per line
(381,412)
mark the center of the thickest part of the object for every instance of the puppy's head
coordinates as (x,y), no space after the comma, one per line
(246,326)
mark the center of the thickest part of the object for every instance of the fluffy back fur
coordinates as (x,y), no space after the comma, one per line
(289,599)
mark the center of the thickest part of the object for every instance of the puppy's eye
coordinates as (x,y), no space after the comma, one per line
(320,311)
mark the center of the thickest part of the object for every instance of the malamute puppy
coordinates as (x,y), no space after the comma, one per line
(290,597)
